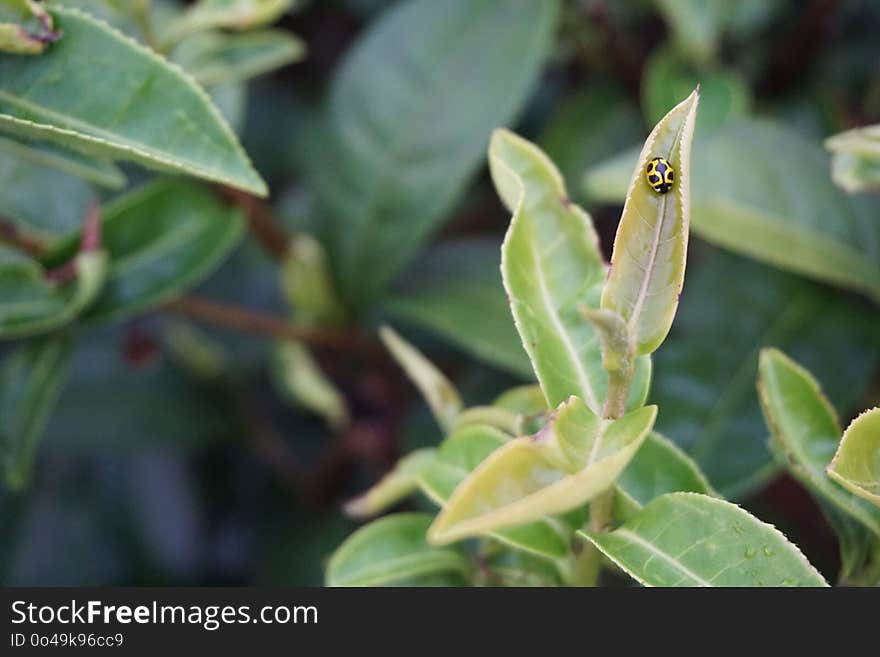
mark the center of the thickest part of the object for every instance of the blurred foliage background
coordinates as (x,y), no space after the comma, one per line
(182,453)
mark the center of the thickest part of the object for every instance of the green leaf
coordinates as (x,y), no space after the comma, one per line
(162,239)
(658,467)
(31,378)
(40,200)
(121,109)
(766,213)
(31,303)
(696,25)
(399,483)
(406,125)
(704,376)
(215,57)
(458,456)
(390,550)
(301,380)
(531,477)
(307,283)
(856,465)
(855,163)
(550,264)
(723,94)
(438,391)
(805,429)
(650,249)
(99,172)
(227,14)
(588,127)
(455,291)
(687,539)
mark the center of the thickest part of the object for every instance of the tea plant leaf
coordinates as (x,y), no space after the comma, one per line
(227,14)
(855,162)
(527,478)
(438,391)
(688,539)
(26,28)
(390,550)
(658,467)
(814,230)
(856,465)
(550,264)
(162,239)
(300,380)
(805,429)
(455,291)
(650,249)
(399,483)
(31,303)
(217,58)
(548,538)
(406,126)
(123,112)
(99,172)
(42,202)
(588,127)
(31,378)
(707,393)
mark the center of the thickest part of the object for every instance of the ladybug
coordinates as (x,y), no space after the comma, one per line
(660,175)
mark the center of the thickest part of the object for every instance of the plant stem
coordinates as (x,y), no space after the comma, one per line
(588,563)
(247,321)
(272,236)
(11,235)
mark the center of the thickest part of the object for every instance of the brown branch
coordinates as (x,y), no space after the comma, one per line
(624,53)
(273,237)
(247,321)
(13,236)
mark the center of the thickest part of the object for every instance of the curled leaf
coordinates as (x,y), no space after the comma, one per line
(805,432)
(574,458)
(437,390)
(402,481)
(856,465)
(551,264)
(650,249)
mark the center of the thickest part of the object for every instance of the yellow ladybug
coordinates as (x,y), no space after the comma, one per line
(660,175)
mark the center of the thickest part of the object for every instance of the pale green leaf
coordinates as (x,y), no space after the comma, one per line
(688,539)
(218,58)
(551,264)
(162,239)
(31,303)
(856,465)
(25,28)
(398,484)
(31,378)
(658,467)
(100,172)
(407,120)
(650,249)
(227,14)
(458,456)
(764,212)
(117,106)
(531,477)
(308,285)
(438,391)
(301,380)
(391,550)
(805,430)
(855,163)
